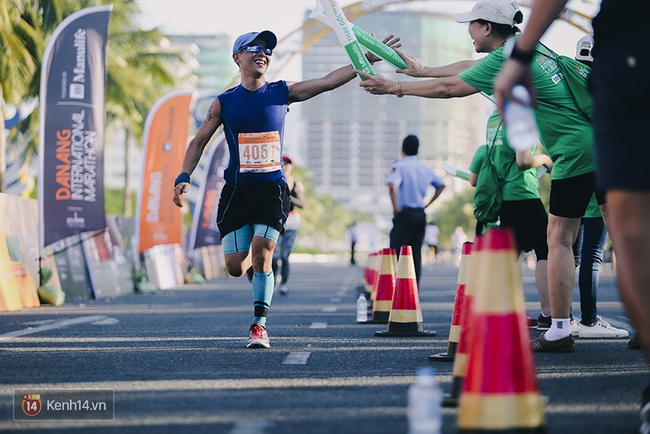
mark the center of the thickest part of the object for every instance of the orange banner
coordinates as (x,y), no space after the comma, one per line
(165,140)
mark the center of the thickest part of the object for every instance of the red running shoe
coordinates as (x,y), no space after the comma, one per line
(258,337)
(532,322)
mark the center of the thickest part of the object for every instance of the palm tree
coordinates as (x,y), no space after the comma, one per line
(21,45)
(138,75)
(137,67)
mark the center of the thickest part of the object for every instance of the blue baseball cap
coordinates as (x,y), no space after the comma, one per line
(245,39)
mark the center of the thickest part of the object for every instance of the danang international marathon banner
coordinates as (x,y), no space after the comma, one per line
(71,131)
(158,220)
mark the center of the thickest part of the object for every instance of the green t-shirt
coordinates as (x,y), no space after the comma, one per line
(593,210)
(521,184)
(477,159)
(566,134)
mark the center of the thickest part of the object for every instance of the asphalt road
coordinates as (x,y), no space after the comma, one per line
(177,360)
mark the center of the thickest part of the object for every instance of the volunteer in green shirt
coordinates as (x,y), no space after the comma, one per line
(520,183)
(522,209)
(565,133)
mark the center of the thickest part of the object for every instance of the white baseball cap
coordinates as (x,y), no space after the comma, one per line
(584,47)
(494,11)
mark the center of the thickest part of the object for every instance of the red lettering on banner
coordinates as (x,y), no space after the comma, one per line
(63,170)
(63,175)
(62,194)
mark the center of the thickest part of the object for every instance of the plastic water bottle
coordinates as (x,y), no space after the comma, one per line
(424,401)
(541,170)
(362,308)
(521,127)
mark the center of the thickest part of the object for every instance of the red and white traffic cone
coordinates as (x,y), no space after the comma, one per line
(405,318)
(385,288)
(459,369)
(500,392)
(459,301)
(369,274)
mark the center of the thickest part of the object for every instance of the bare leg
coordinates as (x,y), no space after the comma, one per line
(262,254)
(541,280)
(629,225)
(562,233)
(237,263)
(260,257)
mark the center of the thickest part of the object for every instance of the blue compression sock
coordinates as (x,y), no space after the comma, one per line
(262,295)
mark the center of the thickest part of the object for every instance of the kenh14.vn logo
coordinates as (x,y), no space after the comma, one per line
(32,404)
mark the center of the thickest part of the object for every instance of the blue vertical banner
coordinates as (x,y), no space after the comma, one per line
(204,230)
(72,123)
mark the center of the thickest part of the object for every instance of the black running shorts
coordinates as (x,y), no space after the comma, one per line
(528,219)
(570,196)
(268,205)
(621,93)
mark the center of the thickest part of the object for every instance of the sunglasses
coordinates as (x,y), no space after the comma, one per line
(257,48)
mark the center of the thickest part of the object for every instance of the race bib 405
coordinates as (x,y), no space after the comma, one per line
(259,152)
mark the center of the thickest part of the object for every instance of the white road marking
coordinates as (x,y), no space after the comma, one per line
(45,321)
(335,300)
(52,326)
(329,309)
(250,427)
(107,321)
(318,325)
(296,358)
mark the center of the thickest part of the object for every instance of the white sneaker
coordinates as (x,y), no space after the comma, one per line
(284,290)
(575,327)
(602,329)
(258,337)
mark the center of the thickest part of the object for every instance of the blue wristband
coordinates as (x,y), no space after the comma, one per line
(183,177)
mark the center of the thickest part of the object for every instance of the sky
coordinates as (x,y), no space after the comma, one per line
(235,17)
(232,17)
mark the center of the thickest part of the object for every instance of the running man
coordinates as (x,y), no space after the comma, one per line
(255,200)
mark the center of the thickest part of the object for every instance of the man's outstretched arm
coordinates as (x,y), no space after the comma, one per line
(304,90)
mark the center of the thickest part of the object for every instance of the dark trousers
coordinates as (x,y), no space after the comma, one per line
(408,230)
(588,252)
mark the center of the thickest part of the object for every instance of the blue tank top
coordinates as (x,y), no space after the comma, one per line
(261,111)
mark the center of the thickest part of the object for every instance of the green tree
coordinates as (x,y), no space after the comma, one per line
(114,200)
(323,219)
(138,70)
(21,47)
(42,17)
(453,213)
(138,75)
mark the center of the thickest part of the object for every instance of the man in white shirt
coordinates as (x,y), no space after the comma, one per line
(407,186)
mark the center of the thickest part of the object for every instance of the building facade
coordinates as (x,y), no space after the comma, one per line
(350,138)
